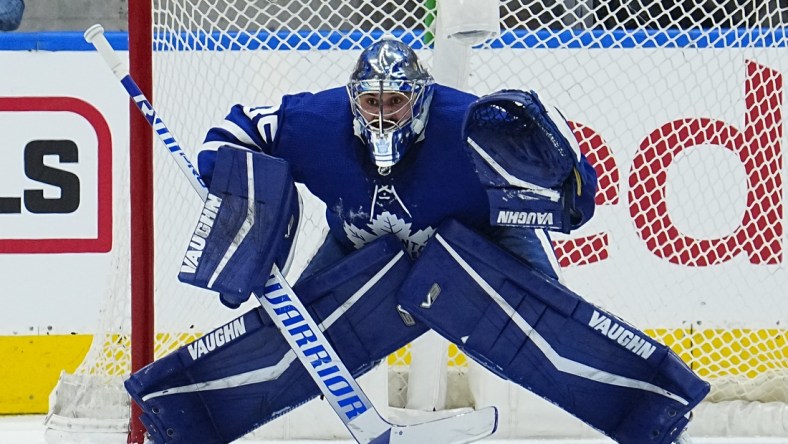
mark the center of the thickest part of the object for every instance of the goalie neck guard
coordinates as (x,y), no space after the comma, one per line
(390,94)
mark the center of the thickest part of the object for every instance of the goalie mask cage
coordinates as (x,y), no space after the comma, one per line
(677,104)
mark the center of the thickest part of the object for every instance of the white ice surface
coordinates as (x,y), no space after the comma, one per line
(29,429)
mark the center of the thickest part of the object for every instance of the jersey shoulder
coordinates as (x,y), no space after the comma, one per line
(326,102)
(447,111)
(310,115)
(450,103)
(449,96)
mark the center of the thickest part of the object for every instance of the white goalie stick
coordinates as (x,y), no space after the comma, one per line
(335,381)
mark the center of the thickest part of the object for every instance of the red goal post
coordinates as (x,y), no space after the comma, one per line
(679,110)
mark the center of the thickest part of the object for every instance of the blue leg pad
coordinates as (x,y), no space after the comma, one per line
(243,374)
(528,328)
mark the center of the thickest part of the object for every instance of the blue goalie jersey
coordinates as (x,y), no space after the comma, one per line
(435,181)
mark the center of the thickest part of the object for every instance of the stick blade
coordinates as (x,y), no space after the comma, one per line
(458,429)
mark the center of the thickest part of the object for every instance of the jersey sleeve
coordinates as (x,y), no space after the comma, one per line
(584,202)
(245,127)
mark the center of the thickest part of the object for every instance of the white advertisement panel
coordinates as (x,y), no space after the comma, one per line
(64,123)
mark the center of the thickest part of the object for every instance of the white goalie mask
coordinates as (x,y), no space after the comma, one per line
(390,93)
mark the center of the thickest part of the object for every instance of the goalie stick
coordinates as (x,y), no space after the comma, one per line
(364,422)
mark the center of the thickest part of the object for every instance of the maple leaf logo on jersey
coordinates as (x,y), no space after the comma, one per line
(387,223)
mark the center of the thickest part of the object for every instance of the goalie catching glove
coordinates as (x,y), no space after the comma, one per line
(247,225)
(529,162)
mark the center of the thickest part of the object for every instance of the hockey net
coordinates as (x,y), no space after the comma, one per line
(677,105)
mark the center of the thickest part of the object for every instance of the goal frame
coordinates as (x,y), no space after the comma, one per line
(141,199)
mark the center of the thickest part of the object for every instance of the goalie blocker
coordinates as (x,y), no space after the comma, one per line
(528,328)
(244,374)
(247,225)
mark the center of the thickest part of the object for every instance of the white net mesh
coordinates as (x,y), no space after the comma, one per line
(677,105)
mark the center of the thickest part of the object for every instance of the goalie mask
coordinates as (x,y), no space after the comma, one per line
(390,94)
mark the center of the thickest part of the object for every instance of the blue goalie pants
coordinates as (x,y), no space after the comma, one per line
(243,374)
(528,328)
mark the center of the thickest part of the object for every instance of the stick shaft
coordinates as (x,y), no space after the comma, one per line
(95,36)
